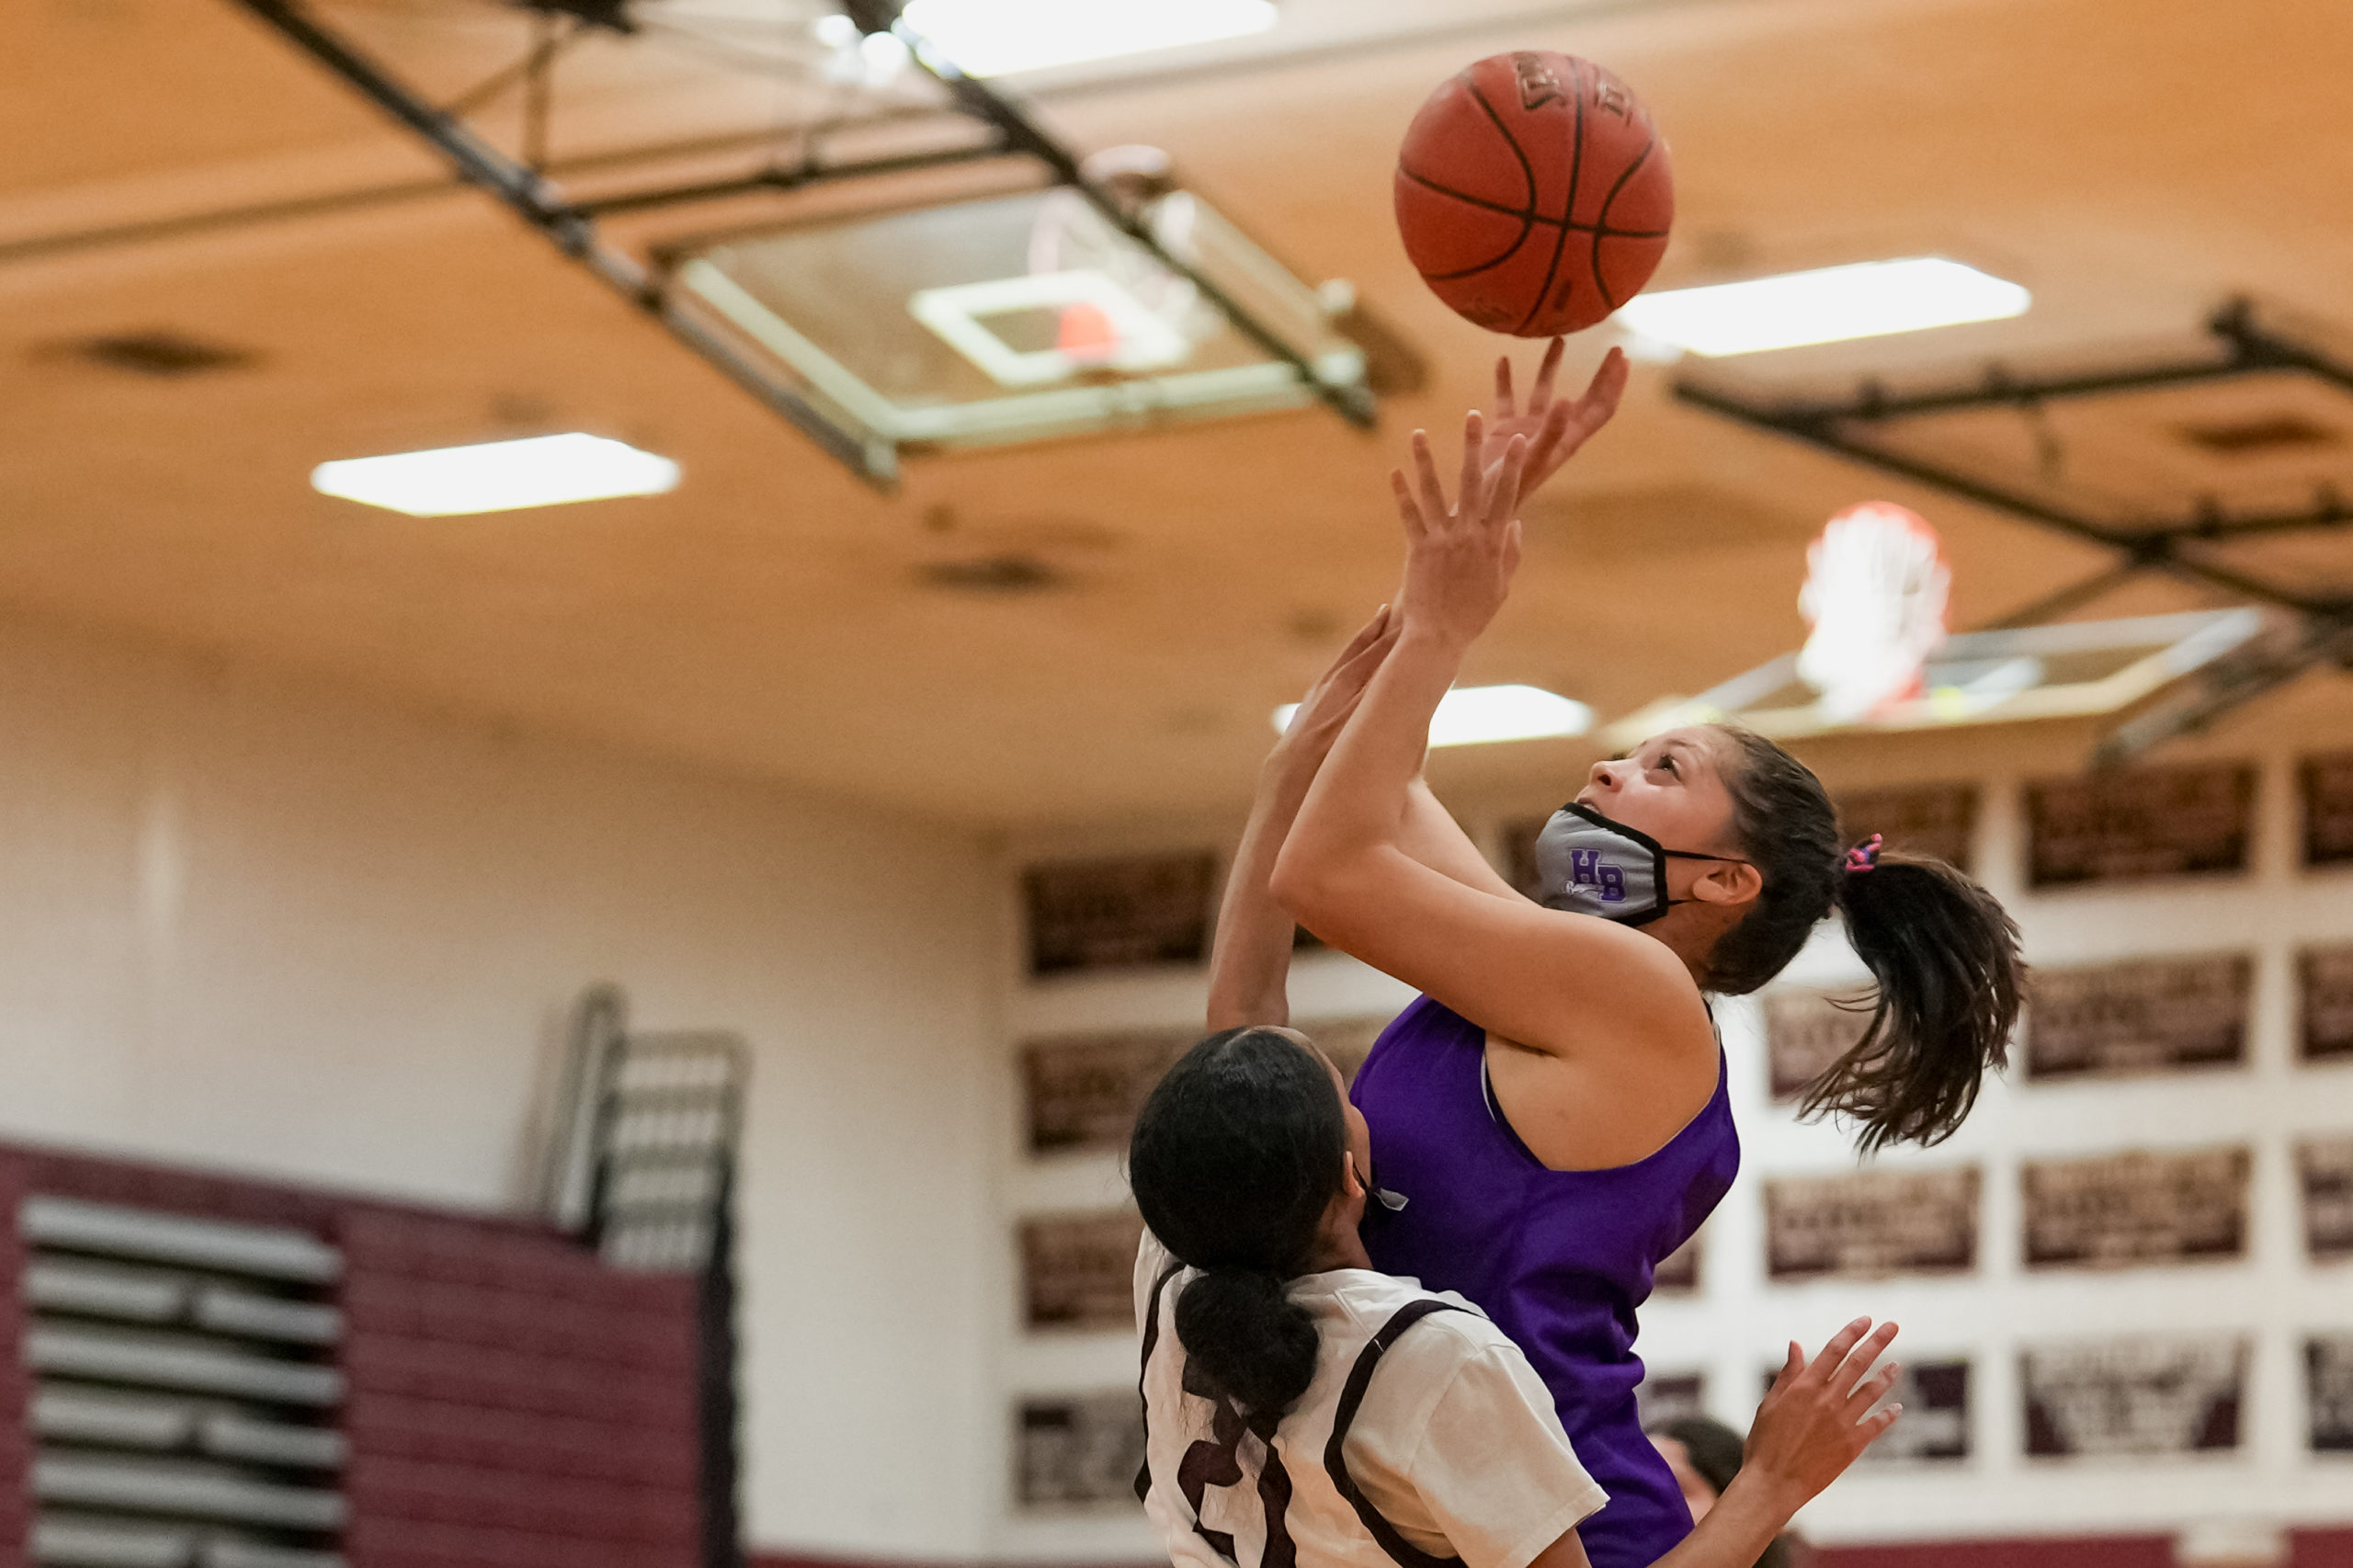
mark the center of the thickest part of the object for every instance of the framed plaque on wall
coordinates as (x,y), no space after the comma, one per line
(1078,1270)
(2149,1016)
(1082,1092)
(2136,1207)
(2327,785)
(1938,819)
(2154,822)
(1079,1450)
(1806,1031)
(2324,993)
(1678,1273)
(1670,1396)
(2135,1396)
(1114,913)
(2328,1391)
(1934,1428)
(1865,1224)
(2324,1172)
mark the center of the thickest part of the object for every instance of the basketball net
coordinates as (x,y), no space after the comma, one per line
(1875,592)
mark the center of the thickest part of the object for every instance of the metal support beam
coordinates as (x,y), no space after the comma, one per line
(571,231)
(2168,546)
(2246,349)
(571,226)
(792,177)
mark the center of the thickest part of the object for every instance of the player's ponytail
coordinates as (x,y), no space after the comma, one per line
(1946,957)
(1236,1155)
(1945,954)
(1246,1339)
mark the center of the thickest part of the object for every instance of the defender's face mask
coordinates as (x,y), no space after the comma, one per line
(1588,865)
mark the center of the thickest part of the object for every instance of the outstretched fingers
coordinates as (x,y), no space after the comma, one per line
(1858,1365)
(1550,372)
(1433,493)
(1603,393)
(1475,446)
(1409,507)
(1833,1354)
(1503,499)
(1860,1403)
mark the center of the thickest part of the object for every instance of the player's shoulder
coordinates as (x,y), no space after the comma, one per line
(1457,1333)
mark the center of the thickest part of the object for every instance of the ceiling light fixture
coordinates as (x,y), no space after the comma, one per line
(1474,715)
(996,38)
(497,476)
(1831,304)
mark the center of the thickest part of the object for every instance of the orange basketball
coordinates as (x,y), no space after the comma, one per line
(1533,193)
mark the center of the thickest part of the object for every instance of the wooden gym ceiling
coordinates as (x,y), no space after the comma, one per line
(2130,160)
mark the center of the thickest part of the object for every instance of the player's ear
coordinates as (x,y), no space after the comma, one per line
(1353,1184)
(1730,882)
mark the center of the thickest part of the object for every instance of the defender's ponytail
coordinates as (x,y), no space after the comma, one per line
(1246,1339)
(1237,1155)
(1945,957)
(1945,954)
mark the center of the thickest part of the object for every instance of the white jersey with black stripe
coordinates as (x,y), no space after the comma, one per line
(1451,1447)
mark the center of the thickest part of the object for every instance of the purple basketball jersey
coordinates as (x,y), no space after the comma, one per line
(1558,1260)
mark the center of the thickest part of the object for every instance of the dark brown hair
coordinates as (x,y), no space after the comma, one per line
(1944,953)
(1234,1158)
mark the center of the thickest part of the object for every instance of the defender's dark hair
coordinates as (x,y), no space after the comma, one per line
(1237,1155)
(1945,954)
(1713,1447)
(1715,1452)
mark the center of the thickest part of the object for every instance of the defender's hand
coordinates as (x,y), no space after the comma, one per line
(1555,426)
(1323,712)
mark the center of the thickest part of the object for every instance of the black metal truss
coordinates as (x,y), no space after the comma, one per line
(1009,131)
(2169,545)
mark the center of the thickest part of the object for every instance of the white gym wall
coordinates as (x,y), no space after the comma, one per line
(265,927)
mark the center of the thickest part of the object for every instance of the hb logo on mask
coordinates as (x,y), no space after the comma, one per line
(1587,869)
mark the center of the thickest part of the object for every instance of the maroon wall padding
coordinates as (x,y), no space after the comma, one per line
(16,1384)
(2051,1551)
(511,1403)
(2307,1548)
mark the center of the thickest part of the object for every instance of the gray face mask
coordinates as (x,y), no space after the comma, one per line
(1587,864)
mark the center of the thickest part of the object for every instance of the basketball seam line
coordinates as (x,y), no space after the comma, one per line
(1527,169)
(1601,217)
(1526,225)
(1568,208)
(1496,206)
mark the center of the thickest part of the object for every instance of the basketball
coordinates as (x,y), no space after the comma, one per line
(1534,194)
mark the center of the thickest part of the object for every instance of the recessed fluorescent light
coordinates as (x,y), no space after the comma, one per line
(1474,714)
(498,476)
(1868,299)
(994,37)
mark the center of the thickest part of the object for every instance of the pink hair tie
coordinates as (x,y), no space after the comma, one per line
(1864,857)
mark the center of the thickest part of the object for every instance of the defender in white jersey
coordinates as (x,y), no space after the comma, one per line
(1302,1411)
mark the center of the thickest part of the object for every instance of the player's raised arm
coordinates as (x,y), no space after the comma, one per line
(1250,961)
(1522,971)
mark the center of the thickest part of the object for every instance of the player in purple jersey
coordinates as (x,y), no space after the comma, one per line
(1552,1116)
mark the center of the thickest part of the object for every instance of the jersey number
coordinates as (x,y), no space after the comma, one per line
(1216,1460)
